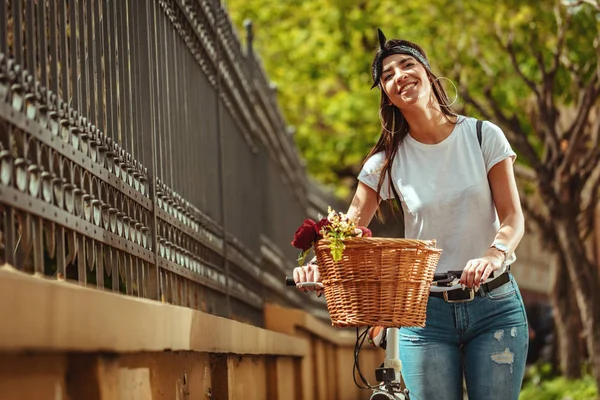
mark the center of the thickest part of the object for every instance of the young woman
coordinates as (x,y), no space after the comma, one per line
(463,194)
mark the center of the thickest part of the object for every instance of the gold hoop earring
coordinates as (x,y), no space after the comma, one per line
(393,120)
(455,89)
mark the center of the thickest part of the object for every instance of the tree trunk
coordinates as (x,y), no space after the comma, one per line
(566,321)
(585,287)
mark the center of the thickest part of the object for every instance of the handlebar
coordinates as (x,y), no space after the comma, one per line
(314,285)
(289,281)
(447,279)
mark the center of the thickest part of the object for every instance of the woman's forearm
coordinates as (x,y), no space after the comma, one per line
(510,232)
(364,205)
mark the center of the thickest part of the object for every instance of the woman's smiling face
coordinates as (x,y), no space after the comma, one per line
(404,80)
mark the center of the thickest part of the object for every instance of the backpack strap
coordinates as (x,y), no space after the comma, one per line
(479,125)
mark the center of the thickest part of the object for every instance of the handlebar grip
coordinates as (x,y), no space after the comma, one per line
(308,285)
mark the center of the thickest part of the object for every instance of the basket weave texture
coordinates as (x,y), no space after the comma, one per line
(379,281)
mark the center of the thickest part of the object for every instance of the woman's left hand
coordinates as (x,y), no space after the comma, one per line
(479,269)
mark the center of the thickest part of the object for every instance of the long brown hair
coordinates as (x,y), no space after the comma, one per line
(394,126)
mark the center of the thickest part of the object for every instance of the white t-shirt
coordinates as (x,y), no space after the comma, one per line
(444,189)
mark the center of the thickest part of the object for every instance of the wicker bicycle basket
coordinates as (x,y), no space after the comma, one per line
(378,281)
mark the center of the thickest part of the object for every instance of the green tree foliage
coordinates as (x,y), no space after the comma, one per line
(540,384)
(319,52)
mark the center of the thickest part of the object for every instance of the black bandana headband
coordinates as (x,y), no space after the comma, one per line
(383,53)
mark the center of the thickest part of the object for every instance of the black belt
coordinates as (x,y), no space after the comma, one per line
(462,295)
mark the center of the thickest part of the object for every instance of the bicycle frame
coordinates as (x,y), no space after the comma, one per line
(391,373)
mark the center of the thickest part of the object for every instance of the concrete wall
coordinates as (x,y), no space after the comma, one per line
(533,268)
(60,341)
(330,359)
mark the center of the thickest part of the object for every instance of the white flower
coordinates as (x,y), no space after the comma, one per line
(331,216)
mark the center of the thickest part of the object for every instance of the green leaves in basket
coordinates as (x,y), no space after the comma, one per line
(337,245)
(302,257)
(335,228)
(337,249)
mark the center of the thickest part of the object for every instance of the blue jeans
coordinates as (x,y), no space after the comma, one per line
(486,339)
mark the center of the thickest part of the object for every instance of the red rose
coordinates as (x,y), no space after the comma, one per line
(306,235)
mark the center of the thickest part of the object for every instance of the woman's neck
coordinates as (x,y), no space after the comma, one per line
(428,125)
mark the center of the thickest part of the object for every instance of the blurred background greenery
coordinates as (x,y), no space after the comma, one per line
(319,52)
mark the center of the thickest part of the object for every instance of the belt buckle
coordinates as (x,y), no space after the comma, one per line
(447,300)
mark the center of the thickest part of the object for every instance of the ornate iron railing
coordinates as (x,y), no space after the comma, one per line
(142,151)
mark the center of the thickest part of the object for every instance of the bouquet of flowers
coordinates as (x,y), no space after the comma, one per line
(335,228)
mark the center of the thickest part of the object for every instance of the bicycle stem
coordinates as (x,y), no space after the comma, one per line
(392,352)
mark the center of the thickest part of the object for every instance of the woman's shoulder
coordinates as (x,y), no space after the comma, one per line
(490,132)
(466,123)
(374,162)
(375,159)
(470,124)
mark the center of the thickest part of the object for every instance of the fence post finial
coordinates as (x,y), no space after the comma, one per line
(249,37)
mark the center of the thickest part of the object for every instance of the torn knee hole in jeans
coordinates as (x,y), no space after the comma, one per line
(499,334)
(504,357)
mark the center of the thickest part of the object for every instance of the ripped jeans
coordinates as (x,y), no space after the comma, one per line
(486,338)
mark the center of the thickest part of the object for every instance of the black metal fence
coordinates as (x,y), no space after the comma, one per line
(142,151)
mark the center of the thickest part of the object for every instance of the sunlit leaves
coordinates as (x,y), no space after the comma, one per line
(319,54)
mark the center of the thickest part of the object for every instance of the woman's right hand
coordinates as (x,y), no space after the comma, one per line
(307,273)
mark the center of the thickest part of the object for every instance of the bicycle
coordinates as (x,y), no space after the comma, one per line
(390,373)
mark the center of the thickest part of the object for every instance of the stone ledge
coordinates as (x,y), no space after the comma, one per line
(289,320)
(38,313)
